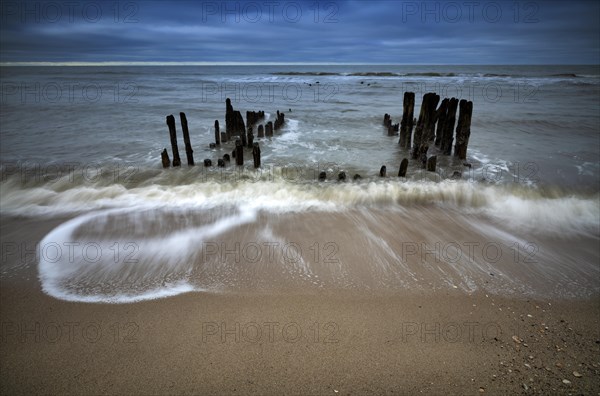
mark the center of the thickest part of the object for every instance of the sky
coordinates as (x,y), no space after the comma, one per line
(280,31)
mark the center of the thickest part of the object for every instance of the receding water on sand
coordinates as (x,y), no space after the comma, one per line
(127,255)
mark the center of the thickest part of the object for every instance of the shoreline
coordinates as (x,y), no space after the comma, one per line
(313,341)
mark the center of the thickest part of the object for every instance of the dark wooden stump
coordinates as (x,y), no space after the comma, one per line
(239,152)
(261,131)
(279,121)
(189,153)
(217,133)
(448,130)
(226,157)
(207,162)
(173,134)
(403,168)
(431,163)
(256,155)
(322,176)
(382,171)
(425,124)
(463,129)
(166,162)
(224,137)
(269,129)
(442,114)
(221,163)
(406,125)
(229,121)
(342,176)
(250,137)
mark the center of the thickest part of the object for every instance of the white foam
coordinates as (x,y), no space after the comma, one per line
(156,258)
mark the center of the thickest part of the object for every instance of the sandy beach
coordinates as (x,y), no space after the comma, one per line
(317,341)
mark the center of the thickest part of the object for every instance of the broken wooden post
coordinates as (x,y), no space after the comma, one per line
(431,162)
(403,168)
(217,133)
(239,152)
(406,125)
(207,162)
(256,155)
(448,130)
(425,125)
(442,113)
(221,163)
(189,153)
(226,157)
(166,162)
(279,121)
(229,121)
(386,120)
(173,133)
(463,129)
(269,129)
(250,137)
(382,171)
(342,176)
(261,131)
(223,137)
(322,176)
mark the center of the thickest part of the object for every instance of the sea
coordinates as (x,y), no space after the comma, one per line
(84,143)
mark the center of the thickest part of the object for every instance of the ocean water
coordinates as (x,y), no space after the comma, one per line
(86,142)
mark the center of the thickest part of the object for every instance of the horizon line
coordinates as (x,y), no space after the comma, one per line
(170,63)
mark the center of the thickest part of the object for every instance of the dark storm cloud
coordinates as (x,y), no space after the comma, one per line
(458,32)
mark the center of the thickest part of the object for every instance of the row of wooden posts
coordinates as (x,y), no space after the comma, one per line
(435,125)
(234,127)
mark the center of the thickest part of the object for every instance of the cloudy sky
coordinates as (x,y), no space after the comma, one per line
(395,32)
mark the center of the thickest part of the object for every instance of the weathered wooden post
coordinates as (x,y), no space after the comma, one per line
(223,137)
(221,163)
(406,125)
(382,171)
(250,137)
(226,157)
(279,121)
(425,125)
(207,162)
(229,120)
(261,131)
(239,152)
(463,129)
(269,129)
(217,133)
(386,120)
(442,113)
(173,133)
(342,176)
(448,131)
(431,162)
(166,162)
(403,168)
(189,153)
(256,155)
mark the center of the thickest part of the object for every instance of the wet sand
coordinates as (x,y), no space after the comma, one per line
(251,339)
